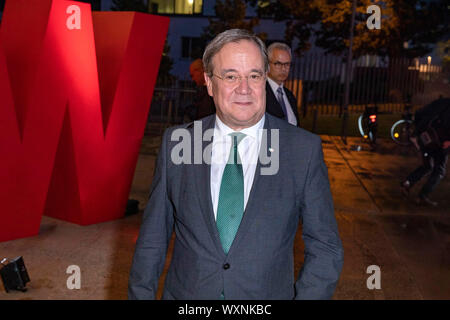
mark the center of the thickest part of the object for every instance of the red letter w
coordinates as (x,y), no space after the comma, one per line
(75,91)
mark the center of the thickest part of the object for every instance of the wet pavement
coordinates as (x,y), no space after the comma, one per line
(409,243)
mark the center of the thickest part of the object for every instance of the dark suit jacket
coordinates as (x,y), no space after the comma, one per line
(273,107)
(260,263)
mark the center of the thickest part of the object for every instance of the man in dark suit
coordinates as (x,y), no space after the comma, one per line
(235,203)
(280,101)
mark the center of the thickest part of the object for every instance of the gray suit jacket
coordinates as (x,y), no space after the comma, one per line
(260,263)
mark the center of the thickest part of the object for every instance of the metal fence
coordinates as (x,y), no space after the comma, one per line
(318,83)
(170,100)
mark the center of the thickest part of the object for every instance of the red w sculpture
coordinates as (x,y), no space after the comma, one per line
(75,92)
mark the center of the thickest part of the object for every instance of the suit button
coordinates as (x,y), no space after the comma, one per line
(226,266)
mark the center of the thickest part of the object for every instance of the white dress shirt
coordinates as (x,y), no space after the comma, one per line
(290,114)
(248,150)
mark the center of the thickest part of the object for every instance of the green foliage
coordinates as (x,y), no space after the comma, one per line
(230,14)
(300,17)
(443,51)
(165,66)
(418,23)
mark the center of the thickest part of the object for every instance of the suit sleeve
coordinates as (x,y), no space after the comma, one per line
(324,254)
(154,235)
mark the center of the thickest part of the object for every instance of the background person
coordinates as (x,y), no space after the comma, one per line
(433,137)
(280,101)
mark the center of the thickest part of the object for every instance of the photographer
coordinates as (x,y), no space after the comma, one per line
(433,137)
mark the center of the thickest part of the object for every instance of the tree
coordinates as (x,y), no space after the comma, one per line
(443,51)
(230,14)
(165,66)
(419,24)
(408,28)
(333,33)
(300,17)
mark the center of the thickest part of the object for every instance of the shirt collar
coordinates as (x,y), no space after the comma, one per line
(274,85)
(221,130)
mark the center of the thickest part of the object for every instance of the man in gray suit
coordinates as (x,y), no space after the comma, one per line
(235,214)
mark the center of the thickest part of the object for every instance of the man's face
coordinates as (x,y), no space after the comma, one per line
(279,69)
(240,104)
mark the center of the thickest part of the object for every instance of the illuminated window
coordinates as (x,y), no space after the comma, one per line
(176,6)
(161,6)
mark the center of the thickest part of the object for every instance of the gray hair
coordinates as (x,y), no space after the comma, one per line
(280,46)
(232,35)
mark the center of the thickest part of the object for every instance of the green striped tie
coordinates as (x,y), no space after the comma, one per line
(231,196)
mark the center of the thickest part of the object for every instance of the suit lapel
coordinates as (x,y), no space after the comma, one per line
(272,104)
(257,192)
(274,107)
(202,174)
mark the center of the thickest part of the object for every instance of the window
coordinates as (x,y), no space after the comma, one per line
(192,48)
(176,6)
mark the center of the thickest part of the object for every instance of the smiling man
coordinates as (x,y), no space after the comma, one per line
(235,226)
(241,97)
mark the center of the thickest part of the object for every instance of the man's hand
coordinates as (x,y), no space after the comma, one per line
(446,144)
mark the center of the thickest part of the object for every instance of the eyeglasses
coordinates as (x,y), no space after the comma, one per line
(280,65)
(234,79)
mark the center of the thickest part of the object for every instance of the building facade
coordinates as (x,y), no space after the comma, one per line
(188,18)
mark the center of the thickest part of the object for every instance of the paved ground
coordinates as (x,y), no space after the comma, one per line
(410,244)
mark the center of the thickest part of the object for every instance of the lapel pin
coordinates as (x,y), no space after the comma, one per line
(271,150)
